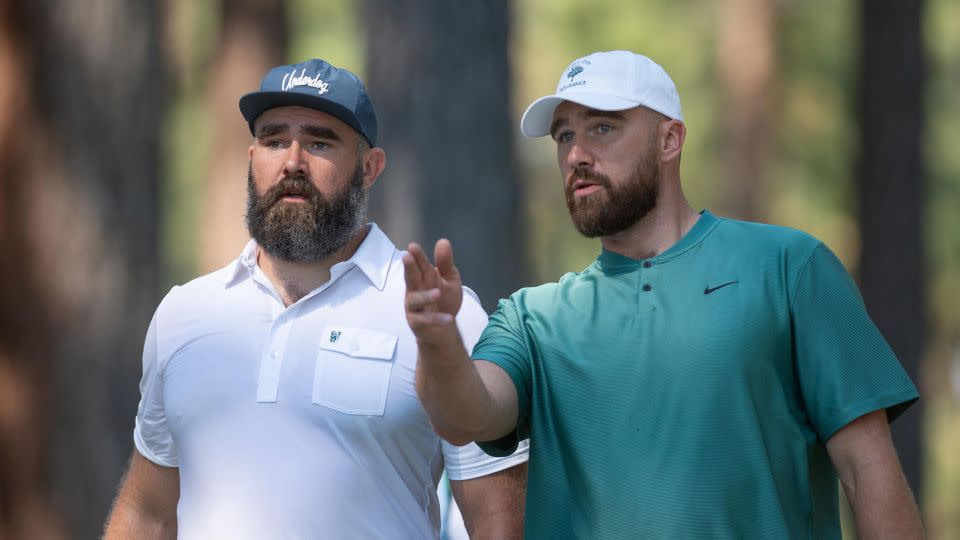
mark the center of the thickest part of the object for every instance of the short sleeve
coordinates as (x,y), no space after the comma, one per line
(151,434)
(845,367)
(469,461)
(471,319)
(503,343)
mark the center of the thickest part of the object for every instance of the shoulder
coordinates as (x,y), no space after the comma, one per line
(186,308)
(201,290)
(547,293)
(544,299)
(764,236)
(784,250)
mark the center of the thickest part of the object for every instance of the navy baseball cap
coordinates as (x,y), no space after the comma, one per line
(315,84)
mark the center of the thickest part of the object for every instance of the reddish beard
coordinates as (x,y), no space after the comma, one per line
(615,207)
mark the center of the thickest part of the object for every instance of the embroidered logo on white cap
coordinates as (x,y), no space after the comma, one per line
(608,81)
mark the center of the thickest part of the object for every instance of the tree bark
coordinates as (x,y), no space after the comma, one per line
(253,39)
(439,75)
(746,61)
(80,164)
(891,191)
(26,357)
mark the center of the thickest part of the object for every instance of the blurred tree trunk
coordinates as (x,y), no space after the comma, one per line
(746,62)
(439,75)
(890,175)
(80,111)
(253,39)
(26,356)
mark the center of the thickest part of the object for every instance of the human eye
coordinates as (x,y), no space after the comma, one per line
(275,144)
(603,129)
(564,137)
(317,146)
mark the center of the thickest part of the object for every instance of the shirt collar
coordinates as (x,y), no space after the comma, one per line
(373,257)
(243,265)
(611,261)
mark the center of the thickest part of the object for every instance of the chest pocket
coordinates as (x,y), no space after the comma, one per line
(353,368)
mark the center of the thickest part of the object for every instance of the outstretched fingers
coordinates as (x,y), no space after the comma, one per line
(443,255)
(422,309)
(423,300)
(412,273)
(423,292)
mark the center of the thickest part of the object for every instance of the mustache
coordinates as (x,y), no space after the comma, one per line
(297,185)
(588,175)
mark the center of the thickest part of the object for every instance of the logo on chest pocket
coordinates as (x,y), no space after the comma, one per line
(352,374)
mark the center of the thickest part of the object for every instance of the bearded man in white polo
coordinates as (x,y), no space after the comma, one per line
(277,394)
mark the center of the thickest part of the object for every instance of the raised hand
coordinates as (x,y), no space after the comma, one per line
(434,293)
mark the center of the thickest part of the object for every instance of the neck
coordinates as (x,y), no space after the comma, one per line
(294,280)
(658,230)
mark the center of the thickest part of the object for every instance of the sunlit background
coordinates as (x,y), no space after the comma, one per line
(123,172)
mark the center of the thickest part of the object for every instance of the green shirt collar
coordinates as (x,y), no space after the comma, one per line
(609,261)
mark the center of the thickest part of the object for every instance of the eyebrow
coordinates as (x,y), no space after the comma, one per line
(321,132)
(589,113)
(557,124)
(268,130)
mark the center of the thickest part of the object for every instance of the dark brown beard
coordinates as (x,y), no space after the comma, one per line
(309,231)
(615,208)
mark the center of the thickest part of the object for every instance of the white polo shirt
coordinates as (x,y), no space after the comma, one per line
(298,422)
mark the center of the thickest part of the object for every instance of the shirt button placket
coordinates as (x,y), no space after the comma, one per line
(645,303)
(271,361)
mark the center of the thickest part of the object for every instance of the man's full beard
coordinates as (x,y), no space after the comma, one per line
(309,231)
(624,204)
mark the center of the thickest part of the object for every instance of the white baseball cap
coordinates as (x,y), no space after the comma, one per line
(607,81)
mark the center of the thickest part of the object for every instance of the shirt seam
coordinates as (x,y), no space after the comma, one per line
(803,268)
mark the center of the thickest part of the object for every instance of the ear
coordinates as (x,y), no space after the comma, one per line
(250,150)
(672,134)
(374,160)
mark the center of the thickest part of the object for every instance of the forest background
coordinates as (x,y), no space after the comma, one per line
(122,173)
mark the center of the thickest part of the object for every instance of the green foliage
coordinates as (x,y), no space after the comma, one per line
(943,226)
(328,30)
(193,27)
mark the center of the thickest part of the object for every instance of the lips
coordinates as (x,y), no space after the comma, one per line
(577,184)
(583,187)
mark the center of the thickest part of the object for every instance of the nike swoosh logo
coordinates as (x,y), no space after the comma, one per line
(709,290)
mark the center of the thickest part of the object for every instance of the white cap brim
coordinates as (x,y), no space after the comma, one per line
(539,115)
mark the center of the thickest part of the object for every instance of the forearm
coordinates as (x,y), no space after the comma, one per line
(883,506)
(866,462)
(465,403)
(146,506)
(129,521)
(453,393)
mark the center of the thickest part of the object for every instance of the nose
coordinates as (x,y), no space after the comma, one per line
(579,155)
(294,162)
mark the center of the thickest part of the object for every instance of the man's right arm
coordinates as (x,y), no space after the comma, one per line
(465,400)
(146,506)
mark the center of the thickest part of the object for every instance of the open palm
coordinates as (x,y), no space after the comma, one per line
(434,293)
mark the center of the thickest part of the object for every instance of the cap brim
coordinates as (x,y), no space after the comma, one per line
(539,115)
(252,105)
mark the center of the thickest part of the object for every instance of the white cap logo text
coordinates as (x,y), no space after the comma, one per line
(291,80)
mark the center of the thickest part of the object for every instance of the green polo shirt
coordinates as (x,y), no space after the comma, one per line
(689,395)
